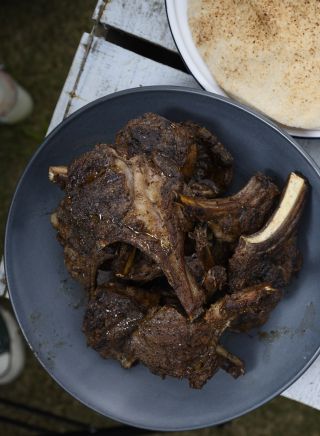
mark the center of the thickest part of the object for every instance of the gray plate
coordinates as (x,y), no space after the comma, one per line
(49,305)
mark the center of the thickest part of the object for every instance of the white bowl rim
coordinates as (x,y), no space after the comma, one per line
(178,23)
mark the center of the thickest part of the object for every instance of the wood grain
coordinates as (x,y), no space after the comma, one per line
(67,93)
(108,68)
(145,19)
(307,388)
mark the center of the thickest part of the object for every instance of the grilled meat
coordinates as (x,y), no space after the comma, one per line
(203,245)
(241,214)
(203,262)
(213,170)
(145,211)
(258,316)
(215,279)
(203,161)
(126,323)
(112,199)
(271,255)
(113,313)
(169,344)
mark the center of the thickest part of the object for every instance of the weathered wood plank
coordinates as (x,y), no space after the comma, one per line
(100,68)
(307,389)
(143,18)
(109,68)
(70,83)
(98,10)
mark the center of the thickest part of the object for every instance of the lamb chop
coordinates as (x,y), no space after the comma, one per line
(111,199)
(241,214)
(126,323)
(113,313)
(169,344)
(203,161)
(271,255)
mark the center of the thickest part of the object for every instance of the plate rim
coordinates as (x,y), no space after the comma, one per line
(296,132)
(61,125)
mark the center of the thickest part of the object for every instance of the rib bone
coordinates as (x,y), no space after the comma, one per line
(286,216)
(58,175)
(54,220)
(250,301)
(229,362)
(271,254)
(242,213)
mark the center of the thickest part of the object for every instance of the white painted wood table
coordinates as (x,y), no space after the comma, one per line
(131,45)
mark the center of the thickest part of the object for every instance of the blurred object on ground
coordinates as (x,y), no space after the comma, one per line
(2,279)
(15,102)
(12,352)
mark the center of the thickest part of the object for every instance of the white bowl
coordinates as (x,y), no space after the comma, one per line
(177,11)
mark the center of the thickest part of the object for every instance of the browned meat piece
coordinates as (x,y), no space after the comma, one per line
(209,250)
(203,263)
(212,280)
(111,199)
(126,324)
(258,316)
(203,245)
(114,311)
(213,170)
(241,214)
(81,257)
(152,134)
(271,255)
(222,251)
(198,154)
(76,230)
(169,344)
(215,279)
(245,323)
(196,267)
(248,301)
(131,264)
